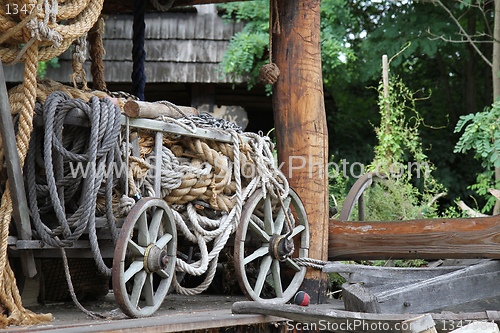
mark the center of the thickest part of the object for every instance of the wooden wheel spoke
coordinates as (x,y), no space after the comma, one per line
(163,274)
(261,234)
(276,271)
(148,290)
(292,264)
(135,248)
(163,241)
(257,254)
(148,225)
(154,227)
(139,281)
(142,226)
(297,230)
(280,219)
(134,267)
(261,277)
(264,269)
(268,215)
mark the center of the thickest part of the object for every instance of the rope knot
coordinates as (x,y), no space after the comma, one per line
(40,31)
(269,73)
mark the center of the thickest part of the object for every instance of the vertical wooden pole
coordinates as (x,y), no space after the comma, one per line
(385,80)
(300,120)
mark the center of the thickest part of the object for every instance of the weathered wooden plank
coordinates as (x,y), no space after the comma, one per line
(301,133)
(16,180)
(190,21)
(39,245)
(176,129)
(371,276)
(180,3)
(166,50)
(428,239)
(153,26)
(199,27)
(210,26)
(358,298)
(348,321)
(139,109)
(218,28)
(228,30)
(182,27)
(125,6)
(468,284)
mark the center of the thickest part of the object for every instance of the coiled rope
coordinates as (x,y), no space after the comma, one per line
(94,153)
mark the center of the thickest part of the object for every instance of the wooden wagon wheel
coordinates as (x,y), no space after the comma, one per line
(263,254)
(144,258)
(355,196)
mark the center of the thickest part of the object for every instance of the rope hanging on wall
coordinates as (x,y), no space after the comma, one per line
(269,73)
(96,53)
(138,52)
(31,37)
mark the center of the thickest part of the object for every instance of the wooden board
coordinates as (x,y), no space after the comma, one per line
(464,285)
(348,321)
(300,120)
(426,239)
(372,276)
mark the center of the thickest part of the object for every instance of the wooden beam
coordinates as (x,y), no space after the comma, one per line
(427,239)
(125,7)
(15,181)
(330,319)
(180,3)
(300,121)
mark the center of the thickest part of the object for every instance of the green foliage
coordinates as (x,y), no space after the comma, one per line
(397,197)
(482,136)
(248,49)
(337,187)
(245,53)
(42,66)
(403,136)
(398,263)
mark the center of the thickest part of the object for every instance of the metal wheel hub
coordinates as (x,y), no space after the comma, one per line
(280,247)
(155,259)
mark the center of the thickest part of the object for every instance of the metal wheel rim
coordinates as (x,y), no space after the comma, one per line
(355,192)
(135,244)
(268,263)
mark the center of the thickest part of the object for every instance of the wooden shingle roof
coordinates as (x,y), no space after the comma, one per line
(180,47)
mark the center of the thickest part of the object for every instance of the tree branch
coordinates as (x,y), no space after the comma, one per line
(463,32)
(449,40)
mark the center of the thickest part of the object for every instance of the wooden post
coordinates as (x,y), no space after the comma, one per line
(300,121)
(385,78)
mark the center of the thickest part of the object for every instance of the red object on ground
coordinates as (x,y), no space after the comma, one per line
(301,298)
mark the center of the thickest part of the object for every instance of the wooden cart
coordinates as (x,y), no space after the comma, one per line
(144,255)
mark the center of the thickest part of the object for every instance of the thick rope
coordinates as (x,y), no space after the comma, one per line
(310,262)
(72,290)
(94,152)
(9,294)
(203,230)
(269,73)
(96,54)
(81,14)
(138,53)
(79,53)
